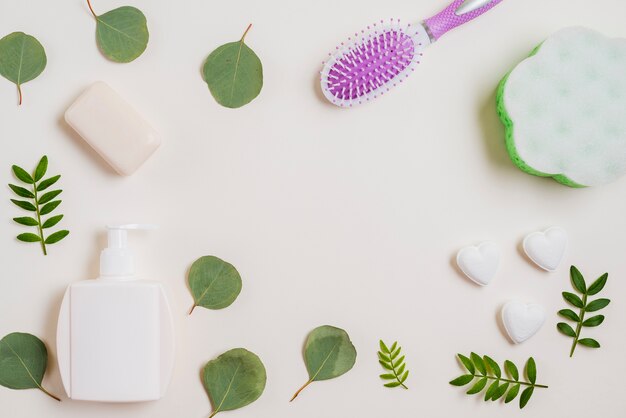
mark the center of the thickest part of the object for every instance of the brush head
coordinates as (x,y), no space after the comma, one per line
(372,62)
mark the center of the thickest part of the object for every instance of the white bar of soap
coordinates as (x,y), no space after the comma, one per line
(113,128)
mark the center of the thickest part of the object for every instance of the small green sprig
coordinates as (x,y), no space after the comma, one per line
(38,203)
(391,361)
(578,282)
(486,369)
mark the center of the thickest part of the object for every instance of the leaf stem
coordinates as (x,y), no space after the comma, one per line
(192,308)
(91,8)
(214,413)
(246,32)
(19,93)
(393,367)
(510,381)
(56,398)
(39,227)
(301,389)
(579,326)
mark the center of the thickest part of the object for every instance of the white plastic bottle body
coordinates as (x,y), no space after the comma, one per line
(115,341)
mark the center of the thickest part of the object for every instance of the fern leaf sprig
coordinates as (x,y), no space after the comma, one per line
(584,306)
(485,369)
(39,203)
(393,362)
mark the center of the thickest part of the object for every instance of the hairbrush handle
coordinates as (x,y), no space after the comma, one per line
(458,13)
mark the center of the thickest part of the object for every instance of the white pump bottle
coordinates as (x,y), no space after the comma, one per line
(115,337)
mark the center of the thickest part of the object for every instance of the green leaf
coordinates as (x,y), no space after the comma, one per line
(498,393)
(478,362)
(511,369)
(22,175)
(569,314)
(234,74)
(589,342)
(467,363)
(478,386)
(573,299)
(578,280)
(384,357)
(531,370)
(393,347)
(46,197)
(491,390)
(493,366)
(49,207)
(392,384)
(388,376)
(566,329)
(233,380)
(404,376)
(22,58)
(401,369)
(526,394)
(383,347)
(462,380)
(385,365)
(597,304)
(594,321)
(122,34)
(41,169)
(214,283)
(24,205)
(328,353)
(47,183)
(52,221)
(598,285)
(512,393)
(395,354)
(399,361)
(28,237)
(28,221)
(22,192)
(57,236)
(23,362)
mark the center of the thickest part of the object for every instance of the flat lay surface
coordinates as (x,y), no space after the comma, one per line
(344,217)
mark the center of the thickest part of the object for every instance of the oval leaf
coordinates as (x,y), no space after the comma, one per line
(467,363)
(511,369)
(462,380)
(493,366)
(47,183)
(566,329)
(383,347)
(328,353)
(52,221)
(388,376)
(478,386)
(594,321)
(122,34)
(28,237)
(234,74)
(41,169)
(577,280)
(22,192)
(24,205)
(21,174)
(526,394)
(28,221)
(214,283)
(597,304)
(57,236)
(233,380)
(49,207)
(512,393)
(569,314)
(573,299)
(589,342)
(22,58)
(498,393)
(491,390)
(598,285)
(531,370)
(46,197)
(384,357)
(478,362)
(392,384)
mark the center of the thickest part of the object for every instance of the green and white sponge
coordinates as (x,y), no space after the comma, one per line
(564,109)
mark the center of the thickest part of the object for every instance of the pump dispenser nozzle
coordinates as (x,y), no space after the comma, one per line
(117,260)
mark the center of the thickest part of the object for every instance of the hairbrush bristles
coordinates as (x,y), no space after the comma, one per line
(372,62)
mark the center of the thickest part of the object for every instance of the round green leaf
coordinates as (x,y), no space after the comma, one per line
(22,58)
(234,74)
(328,353)
(233,380)
(214,283)
(122,34)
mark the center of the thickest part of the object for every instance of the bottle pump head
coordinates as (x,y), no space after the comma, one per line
(117,260)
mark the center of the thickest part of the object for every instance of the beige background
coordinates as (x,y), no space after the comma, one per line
(350,218)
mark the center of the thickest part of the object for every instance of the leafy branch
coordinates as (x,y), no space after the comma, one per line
(40,204)
(390,360)
(485,369)
(578,282)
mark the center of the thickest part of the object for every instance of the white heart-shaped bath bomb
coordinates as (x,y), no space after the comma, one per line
(522,320)
(546,249)
(479,263)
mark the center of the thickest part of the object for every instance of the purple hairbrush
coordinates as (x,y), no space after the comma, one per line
(383,55)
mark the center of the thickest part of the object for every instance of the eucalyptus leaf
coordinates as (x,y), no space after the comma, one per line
(328,353)
(234,73)
(23,362)
(121,34)
(233,380)
(214,283)
(22,59)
